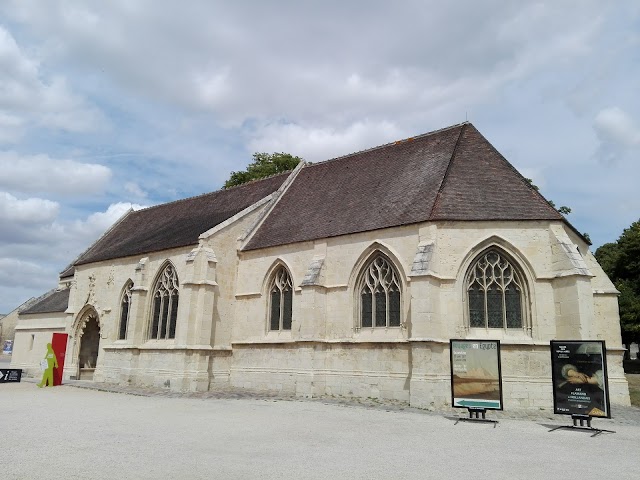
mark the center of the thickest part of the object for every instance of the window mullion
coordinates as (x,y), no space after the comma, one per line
(161,322)
(281,322)
(126,332)
(386,310)
(504,310)
(486,309)
(171,302)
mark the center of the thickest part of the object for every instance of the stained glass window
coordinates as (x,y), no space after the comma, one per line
(494,292)
(380,300)
(281,295)
(125,307)
(165,305)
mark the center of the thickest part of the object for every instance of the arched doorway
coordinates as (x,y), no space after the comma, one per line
(89,340)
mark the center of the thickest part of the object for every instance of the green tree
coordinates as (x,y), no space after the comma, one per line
(621,261)
(263,165)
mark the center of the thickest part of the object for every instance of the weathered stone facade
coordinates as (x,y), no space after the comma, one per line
(223,334)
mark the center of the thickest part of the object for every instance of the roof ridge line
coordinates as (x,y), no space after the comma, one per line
(446,172)
(276,196)
(384,145)
(562,218)
(523,178)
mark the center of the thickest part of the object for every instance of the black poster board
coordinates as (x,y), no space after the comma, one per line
(8,375)
(579,376)
(476,376)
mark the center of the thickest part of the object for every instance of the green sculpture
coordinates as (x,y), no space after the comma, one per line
(52,361)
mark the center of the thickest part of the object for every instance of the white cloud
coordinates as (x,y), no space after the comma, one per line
(98,222)
(134,189)
(31,210)
(35,244)
(40,173)
(25,221)
(616,126)
(212,57)
(11,128)
(14,272)
(25,96)
(617,133)
(317,144)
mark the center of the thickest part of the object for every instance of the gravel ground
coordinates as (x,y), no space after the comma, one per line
(83,433)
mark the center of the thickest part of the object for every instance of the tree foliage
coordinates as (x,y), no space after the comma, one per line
(263,165)
(621,261)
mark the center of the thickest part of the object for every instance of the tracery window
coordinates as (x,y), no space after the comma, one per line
(281,300)
(495,292)
(379,289)
(125,309)
(165,305)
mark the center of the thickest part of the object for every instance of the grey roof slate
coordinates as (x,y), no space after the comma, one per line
(55,301)
(175,224)
(449,174)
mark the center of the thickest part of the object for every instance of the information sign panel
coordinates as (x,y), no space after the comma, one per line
(8,375)
(476,378)
(579,375)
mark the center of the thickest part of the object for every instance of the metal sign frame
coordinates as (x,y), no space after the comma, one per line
(579,378)
(480,391)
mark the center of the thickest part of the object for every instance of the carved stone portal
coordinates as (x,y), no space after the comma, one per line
(89,343)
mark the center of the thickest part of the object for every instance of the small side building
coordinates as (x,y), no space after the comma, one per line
(36,324)
(8,322)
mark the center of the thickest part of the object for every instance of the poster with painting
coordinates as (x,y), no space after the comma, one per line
(579,376)
(476,378)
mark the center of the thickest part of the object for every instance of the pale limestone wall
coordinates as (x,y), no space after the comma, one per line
(180,369)
(314,368)
(199,353)
(32,333)
(566,300)
(222,336)
(336,320)
(100,285)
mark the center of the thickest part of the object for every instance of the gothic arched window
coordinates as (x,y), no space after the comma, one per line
(380,294)
(165,305)
(125,309)
(495,292)
(281,300)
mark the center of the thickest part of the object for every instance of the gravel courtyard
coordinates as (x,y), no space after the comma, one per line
(75,433)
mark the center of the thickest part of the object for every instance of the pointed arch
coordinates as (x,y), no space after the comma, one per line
(86,334)
(164,303)
(85,314)
(125,309)
(279,294)
(373,249)
(496,290)
(379,286)
(275,265)
(503,244)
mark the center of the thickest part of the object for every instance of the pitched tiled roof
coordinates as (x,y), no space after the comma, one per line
(176,224)
(55,301)
(449,174)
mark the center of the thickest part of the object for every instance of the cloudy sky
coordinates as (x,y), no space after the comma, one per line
(104,105)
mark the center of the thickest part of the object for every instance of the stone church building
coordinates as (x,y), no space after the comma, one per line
(346,277)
